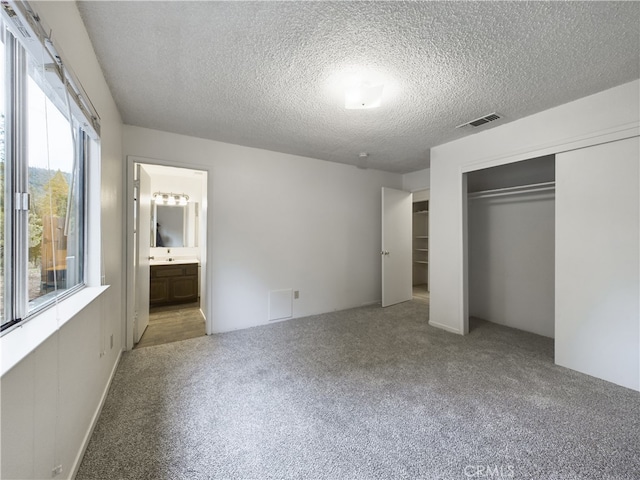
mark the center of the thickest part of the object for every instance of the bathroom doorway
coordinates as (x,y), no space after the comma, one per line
(167,253)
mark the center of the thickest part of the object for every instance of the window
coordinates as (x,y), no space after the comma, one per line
(2,174)
(44,139)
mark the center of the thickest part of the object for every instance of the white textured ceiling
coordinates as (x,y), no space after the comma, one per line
(270,74)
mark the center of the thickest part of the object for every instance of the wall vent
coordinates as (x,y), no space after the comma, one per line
(481,121)
(280,304)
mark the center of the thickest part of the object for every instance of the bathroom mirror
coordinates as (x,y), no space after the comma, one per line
(175,225)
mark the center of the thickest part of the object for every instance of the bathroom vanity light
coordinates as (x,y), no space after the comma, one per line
(171,198)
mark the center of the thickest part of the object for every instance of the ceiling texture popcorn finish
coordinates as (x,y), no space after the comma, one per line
(272,75)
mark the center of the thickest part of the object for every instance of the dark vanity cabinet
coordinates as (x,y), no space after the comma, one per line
(172,284)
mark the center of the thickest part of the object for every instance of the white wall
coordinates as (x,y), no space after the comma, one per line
(608,115)
(415,181)
(280,221)
(597,274)
(50,398)
(512,261)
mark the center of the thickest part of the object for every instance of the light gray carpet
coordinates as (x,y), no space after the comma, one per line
(364,393)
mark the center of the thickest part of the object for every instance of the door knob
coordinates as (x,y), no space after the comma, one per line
(384,252)
(151,258)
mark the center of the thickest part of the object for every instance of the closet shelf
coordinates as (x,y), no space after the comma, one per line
(420,243)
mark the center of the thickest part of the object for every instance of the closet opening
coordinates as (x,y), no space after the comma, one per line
(420,245)
(510,245)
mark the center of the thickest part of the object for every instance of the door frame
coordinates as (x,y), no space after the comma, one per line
(206,211)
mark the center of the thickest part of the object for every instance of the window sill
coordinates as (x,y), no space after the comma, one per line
(24,339)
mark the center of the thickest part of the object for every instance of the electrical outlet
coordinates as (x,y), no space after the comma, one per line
(111,340)
(296,294)
(56,471)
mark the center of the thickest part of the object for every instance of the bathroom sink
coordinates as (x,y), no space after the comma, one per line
(172,261)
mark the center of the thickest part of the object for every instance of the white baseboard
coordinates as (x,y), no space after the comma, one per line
(371,302)
(94,420)
(445,327)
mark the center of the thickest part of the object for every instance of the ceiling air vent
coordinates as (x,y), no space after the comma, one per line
(481,121)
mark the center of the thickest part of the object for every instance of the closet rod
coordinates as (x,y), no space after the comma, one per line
(521,189)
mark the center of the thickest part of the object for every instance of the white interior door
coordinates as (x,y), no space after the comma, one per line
(396,246)
(143,251)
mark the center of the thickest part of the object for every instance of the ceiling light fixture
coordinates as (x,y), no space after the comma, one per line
(363,96)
